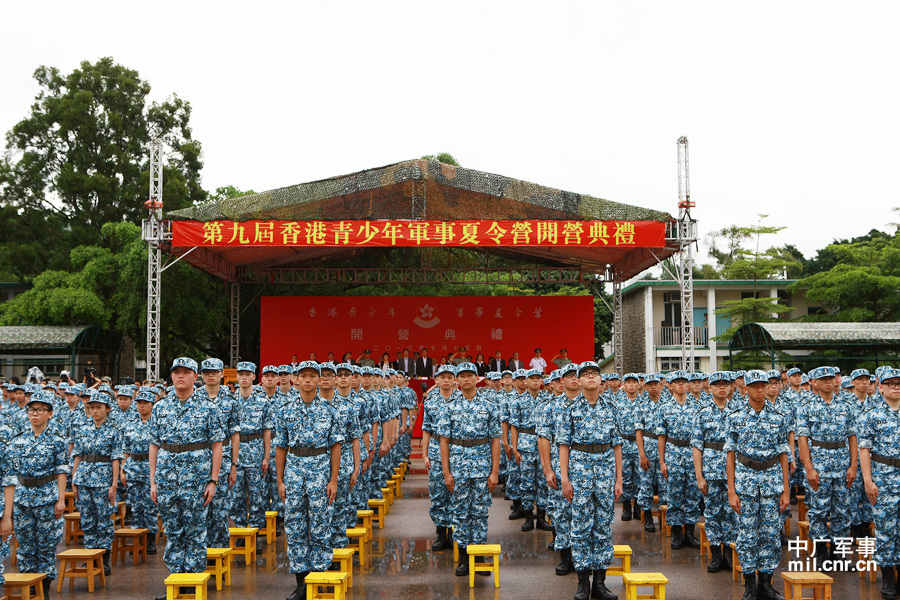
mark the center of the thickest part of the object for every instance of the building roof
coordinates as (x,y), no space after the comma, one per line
(708,283)
(21,337)
(779,335)
(449,195)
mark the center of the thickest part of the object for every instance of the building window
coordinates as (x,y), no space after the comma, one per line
(815,310)
(784,298)
(673,363)
(671,309)
(745,295)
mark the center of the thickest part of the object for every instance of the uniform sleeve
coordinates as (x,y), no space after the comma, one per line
(661,422)
(442,426)
(336,432)
(731,434)
(427,425)
(852,418)
(615,436)
(234,418)
(639,416)
(801,427)
(117,442)
(280,439)
(268,417)
(493,421)
(697,431)
(154,426)
(77,449)
(353,426)
(215,424)
(60,458)
(542,425)
(564,427)
(782,446)
(864,429)
(7,477)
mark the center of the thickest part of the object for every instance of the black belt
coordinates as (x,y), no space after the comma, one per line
(757,465)
(95,458)
(714,445)
(256,435)
(649,435)
(680,443)
(630,438)
(526,430)
(179,448)
(885,460)
(591,448)
(302,451)
(33,482)
(828,445)
(139,456)
(471,443)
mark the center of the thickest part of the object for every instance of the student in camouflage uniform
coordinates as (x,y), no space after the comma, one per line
(95,476)
(308,441)
(708,442)
(627,405)
(345,414)
(35,484)
(758,485)
(5,505)
(360,491)
(254,415)
(880,466)
(469,427)
(590,465)
(218,395)
(646,418)
(135,472)
(860,507)
(435,401)
(507,409)
(524,444)
(186,436)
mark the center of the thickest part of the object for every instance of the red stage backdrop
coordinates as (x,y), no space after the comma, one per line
(322,324)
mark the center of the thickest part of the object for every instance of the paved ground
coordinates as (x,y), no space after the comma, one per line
(404,566)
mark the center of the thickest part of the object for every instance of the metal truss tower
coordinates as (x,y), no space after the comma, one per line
(152,231)
(687,236)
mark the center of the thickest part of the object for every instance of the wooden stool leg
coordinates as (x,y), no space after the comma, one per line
(471,570)
(496,570)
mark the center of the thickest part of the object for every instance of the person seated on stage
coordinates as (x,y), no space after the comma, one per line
(365,359)
(481,365)
(562,359)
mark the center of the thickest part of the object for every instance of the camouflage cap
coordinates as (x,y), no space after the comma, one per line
(445,369)
(328,366)
(860,373)
(101,398)
(284,369)
(520,374)
(184,361)
(212,364)
(889,373)
(309,364)
(719,376)
(246,365)
(793,371)
(678,375)
(146,396)
(42,396)
(269,369)
(821,373)
(756,376)
(586,366)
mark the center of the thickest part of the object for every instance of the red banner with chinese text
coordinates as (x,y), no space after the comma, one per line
(300,325)
(637,234)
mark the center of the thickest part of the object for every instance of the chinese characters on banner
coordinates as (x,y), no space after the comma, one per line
(322,324)
(483,233)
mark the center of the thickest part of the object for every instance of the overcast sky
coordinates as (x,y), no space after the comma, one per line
(791,108)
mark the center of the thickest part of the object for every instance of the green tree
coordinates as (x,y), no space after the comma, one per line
(444,157)
(80,158)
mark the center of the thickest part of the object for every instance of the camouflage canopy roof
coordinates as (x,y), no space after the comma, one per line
(450,192)
(21,337)
(811,335)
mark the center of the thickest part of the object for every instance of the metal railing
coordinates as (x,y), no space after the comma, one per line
(671,336)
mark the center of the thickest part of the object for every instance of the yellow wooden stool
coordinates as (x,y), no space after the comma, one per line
(317,580)
(388,494)
(248,550)
(704,541)
(397,481)
(93,566)
(736,569)
(866,560)
(803,526)
(623,553)
(70,502)
(801,507)
(379,505)
(73,532)
(218,564)
(13,545)
(366,516)
(118,517)
(360,542)
(344,558)
(18,586)
(271,526)
(128,540)
(160,532)
(633,581)
(795,582)
(491,550)
(176,581)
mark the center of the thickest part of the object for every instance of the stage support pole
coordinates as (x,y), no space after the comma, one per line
(235,323)
(618,325)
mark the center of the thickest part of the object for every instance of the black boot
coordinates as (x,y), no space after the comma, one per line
(542,522)
(626,510)
(715,560)
(599,591)
(648,521)
(584,586)
(677,537)
(151,545)
(528,525)
(441,542)
(517,512)
(689,538)
(726,557)
(106,567)
(749,587)
(462,569)
(299,592)
(552,539)
(45,584)
(889,583)
(565,562)
(765,591)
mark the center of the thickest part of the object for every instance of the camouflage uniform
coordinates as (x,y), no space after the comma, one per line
(97,447)
(344,509)
(676,422)
(469,421)
(360,493)
(31,460)
(299,428)
(831,424)
(437,489)
(4,473)
(710,431)
(182,474)
(626,415)
(248,496)
(593,476)
(507,408)
(136,444)
(558,507)
(880,434)
(521,416)
(758,436)
(647,416)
